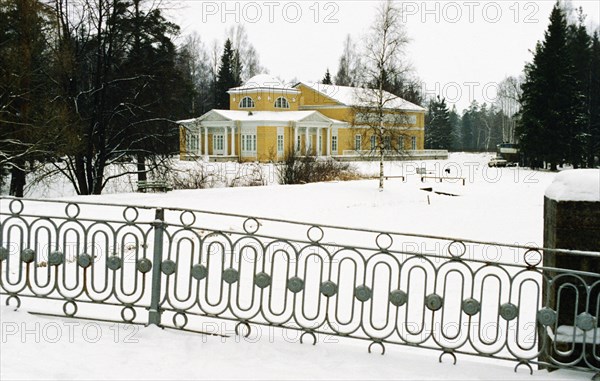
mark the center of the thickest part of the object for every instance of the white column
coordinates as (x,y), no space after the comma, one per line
(328,141)
(295,143)
(206,141)
(225,141)
(317,132)
(233,140)
(306,141)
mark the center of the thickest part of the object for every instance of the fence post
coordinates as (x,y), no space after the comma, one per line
(158,225)
(571,221)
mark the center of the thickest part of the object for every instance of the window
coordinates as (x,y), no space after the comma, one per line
(357,142)
(412,119)
(248,143)
(218,143)
(400,142)
(320,144)
(298,143)
(281,102)
(373,142)
(246,102)
(387,143)
(334,144)
(413,143)
(193,143)
(280,144)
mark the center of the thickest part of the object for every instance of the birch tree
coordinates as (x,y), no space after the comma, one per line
(377,111)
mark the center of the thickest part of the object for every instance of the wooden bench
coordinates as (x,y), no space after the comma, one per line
(423,177)
(153,185)
(395,177)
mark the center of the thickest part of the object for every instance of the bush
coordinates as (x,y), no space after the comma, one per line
(297,169)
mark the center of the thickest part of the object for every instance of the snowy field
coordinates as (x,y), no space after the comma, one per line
(499,205)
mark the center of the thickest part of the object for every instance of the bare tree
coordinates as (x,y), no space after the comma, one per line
(250,62)
(377,111)
(349,67)
(509,91)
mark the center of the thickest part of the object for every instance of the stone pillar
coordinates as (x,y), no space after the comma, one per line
(295,143)
(572,222)
(233,140)
(226,141)
(306,141)
(205,140)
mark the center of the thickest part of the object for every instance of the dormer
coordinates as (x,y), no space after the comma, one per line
(264,92)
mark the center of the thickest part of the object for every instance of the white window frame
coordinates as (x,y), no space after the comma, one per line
(387,143)
(373,143)
(193,144)
(218,143)
(248,144)
(334,144)
(413,143)
(320,143)
(280,144)
(400,142)
(299,143)
(281,102)
(245,104)
(357,142)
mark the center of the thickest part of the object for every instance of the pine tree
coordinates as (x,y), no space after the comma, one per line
(552,107)
(438,129)
(226,78)
(327,78)
(594,101)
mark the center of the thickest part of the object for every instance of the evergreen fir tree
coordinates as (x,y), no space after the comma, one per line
(438,129)
(327,78)
(226,77)
(553,110)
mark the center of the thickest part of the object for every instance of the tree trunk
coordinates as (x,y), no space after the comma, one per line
(141,167)
(17,181)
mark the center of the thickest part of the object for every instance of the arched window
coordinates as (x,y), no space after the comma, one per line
(281,102)
(246,102)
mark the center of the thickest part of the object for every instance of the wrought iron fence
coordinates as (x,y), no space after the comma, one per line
(187,267)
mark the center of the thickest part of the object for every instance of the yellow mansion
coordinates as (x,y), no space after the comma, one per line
(268,120)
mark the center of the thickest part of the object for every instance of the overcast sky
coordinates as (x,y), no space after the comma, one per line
(459,49)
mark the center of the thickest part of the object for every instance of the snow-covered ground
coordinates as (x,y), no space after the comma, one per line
(502,205)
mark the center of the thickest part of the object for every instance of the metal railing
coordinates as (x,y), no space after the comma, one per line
(188,267)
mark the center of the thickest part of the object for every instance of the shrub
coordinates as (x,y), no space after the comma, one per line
(297,169)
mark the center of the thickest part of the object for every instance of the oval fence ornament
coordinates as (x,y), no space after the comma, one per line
(262,280)
(471,306)
(114,262)
(546,316)
(434,302)
(27,255)
(144,265)
(199,272)
(295,284)
(55,258)
(398,298)
(84,260)
(585,321)
(231,275)
(508,311)
(328,288)
(168,267)
(362,293)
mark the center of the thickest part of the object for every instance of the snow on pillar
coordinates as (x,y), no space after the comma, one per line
(572,222)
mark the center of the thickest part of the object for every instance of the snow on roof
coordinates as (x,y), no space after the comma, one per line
(270,116)
(357,96)
(264,81)
(575,185)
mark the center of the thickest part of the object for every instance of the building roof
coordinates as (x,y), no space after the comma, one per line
(264,81)
(263,116)
(357,96)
